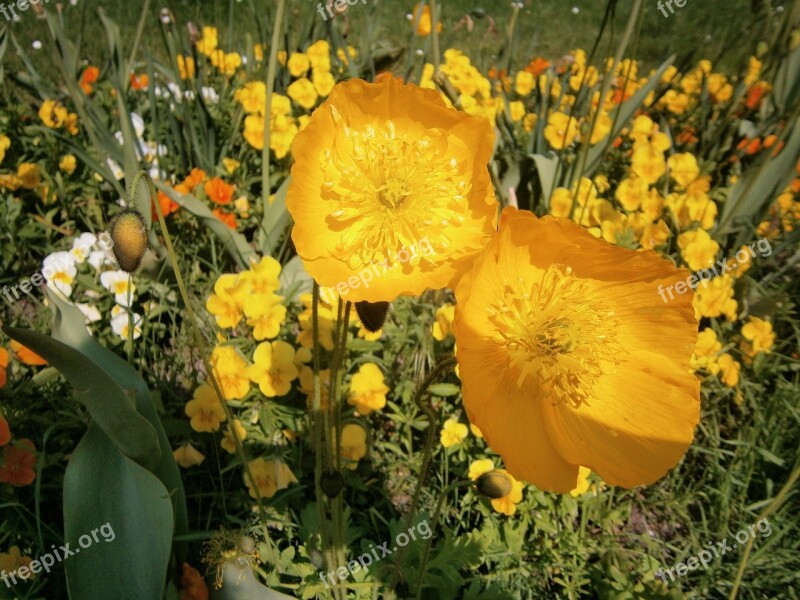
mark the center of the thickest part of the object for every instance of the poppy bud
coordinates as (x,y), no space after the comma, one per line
(128,231)
(331,483)
(372,314)
(494,485)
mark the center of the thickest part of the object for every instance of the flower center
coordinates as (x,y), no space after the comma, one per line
(555,334)
(388,191)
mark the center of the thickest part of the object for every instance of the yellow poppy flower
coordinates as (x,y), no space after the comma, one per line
(367,389)
(567,354)
(298,64)
(390,192)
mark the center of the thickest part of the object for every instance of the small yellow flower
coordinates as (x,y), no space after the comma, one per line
(683,168)
(583,485)
(53,114)
(303,93)
(352,444)
(367,389)
(298,64)
(561,130)
(226,303)
(523,83)
(715,298)
(204,410)
(13,560)
(698,249)
(444,321)
(230,164)
(506,504)
(228,443)
(727,369)
(265,314)
(270,476)
(706,350)
(452,433)
(759,337)
(5,143)
(273,369)
(29,174)
(188,456)
(68,164)
(230,369)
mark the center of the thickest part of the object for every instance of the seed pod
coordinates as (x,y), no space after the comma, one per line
(128,231)
(494,484)
(372,314)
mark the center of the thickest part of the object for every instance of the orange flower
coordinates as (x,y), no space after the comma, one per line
(3,367)
(389,184)
(168,206)
(567,353)
(88,77)
(193,587)
(18,463)
(139,82)
(422,20)
(755,95)
(228,218)
(537,66)
(27,356)
(194,178)
(5,431)
(218,191)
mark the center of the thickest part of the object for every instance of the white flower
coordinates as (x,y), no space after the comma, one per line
(138,124)
(90,312)
(120,323)
(116,170)
(59,271)
(116,282)
(82,247)
(99,259)
(209,94)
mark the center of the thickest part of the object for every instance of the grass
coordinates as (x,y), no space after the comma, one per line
(710,29)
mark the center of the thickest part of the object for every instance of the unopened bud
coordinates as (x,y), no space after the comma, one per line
(494,484)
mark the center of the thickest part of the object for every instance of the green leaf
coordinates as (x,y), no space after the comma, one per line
(234,242)
(758,188)
(105,489)
(275,221)
(69,329)
(110,405)
(546,167)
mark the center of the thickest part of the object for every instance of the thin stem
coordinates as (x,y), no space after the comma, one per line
(200,343)
(139,31)
(435,35)
(771,508)
(434,521)
(130,320)
(270,84)
(437,371)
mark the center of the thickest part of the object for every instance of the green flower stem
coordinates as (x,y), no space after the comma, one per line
(200,343)
(771,508)
(434,521)
(437,371)
(435,35)
(321,444)
(270,84)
